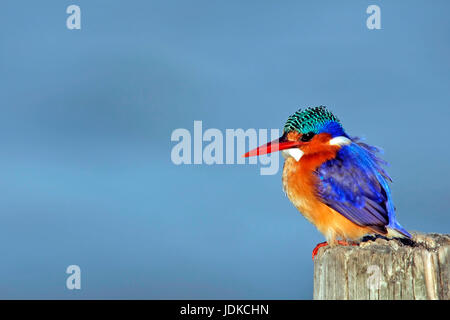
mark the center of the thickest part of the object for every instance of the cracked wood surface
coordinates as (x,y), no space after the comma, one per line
(380,269)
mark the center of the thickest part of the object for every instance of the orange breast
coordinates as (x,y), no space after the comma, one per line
(299,184)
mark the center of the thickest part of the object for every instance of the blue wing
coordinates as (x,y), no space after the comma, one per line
(355,185)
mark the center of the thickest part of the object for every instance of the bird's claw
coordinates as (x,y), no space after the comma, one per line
(323,244)
(316,249)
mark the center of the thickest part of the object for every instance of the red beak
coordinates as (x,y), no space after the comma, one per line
(275,145)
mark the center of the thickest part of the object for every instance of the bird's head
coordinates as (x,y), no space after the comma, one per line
(310,131)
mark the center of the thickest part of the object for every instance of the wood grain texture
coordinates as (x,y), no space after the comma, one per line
(380,269)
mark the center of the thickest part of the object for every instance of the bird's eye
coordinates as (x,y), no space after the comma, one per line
(307,136)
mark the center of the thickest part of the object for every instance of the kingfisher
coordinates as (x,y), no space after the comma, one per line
(336,181)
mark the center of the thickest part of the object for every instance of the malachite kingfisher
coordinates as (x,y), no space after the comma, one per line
(336,181)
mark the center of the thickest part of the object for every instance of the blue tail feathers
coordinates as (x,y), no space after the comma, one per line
(394,225)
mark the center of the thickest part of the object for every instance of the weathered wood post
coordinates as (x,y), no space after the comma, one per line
(379,269)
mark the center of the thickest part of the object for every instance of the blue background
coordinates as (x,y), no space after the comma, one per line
(86,119)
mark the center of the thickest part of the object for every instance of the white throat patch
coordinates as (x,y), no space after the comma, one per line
(340,141)
(295,153)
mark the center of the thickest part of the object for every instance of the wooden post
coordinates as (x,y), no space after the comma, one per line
(381,269)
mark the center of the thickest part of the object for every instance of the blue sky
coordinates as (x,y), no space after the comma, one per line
(87,115)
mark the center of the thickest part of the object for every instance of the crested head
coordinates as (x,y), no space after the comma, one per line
(315,120)
(312,131)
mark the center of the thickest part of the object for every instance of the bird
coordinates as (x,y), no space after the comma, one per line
(337,182)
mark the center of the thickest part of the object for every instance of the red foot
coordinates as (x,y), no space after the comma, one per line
(323,244)
(316,249)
